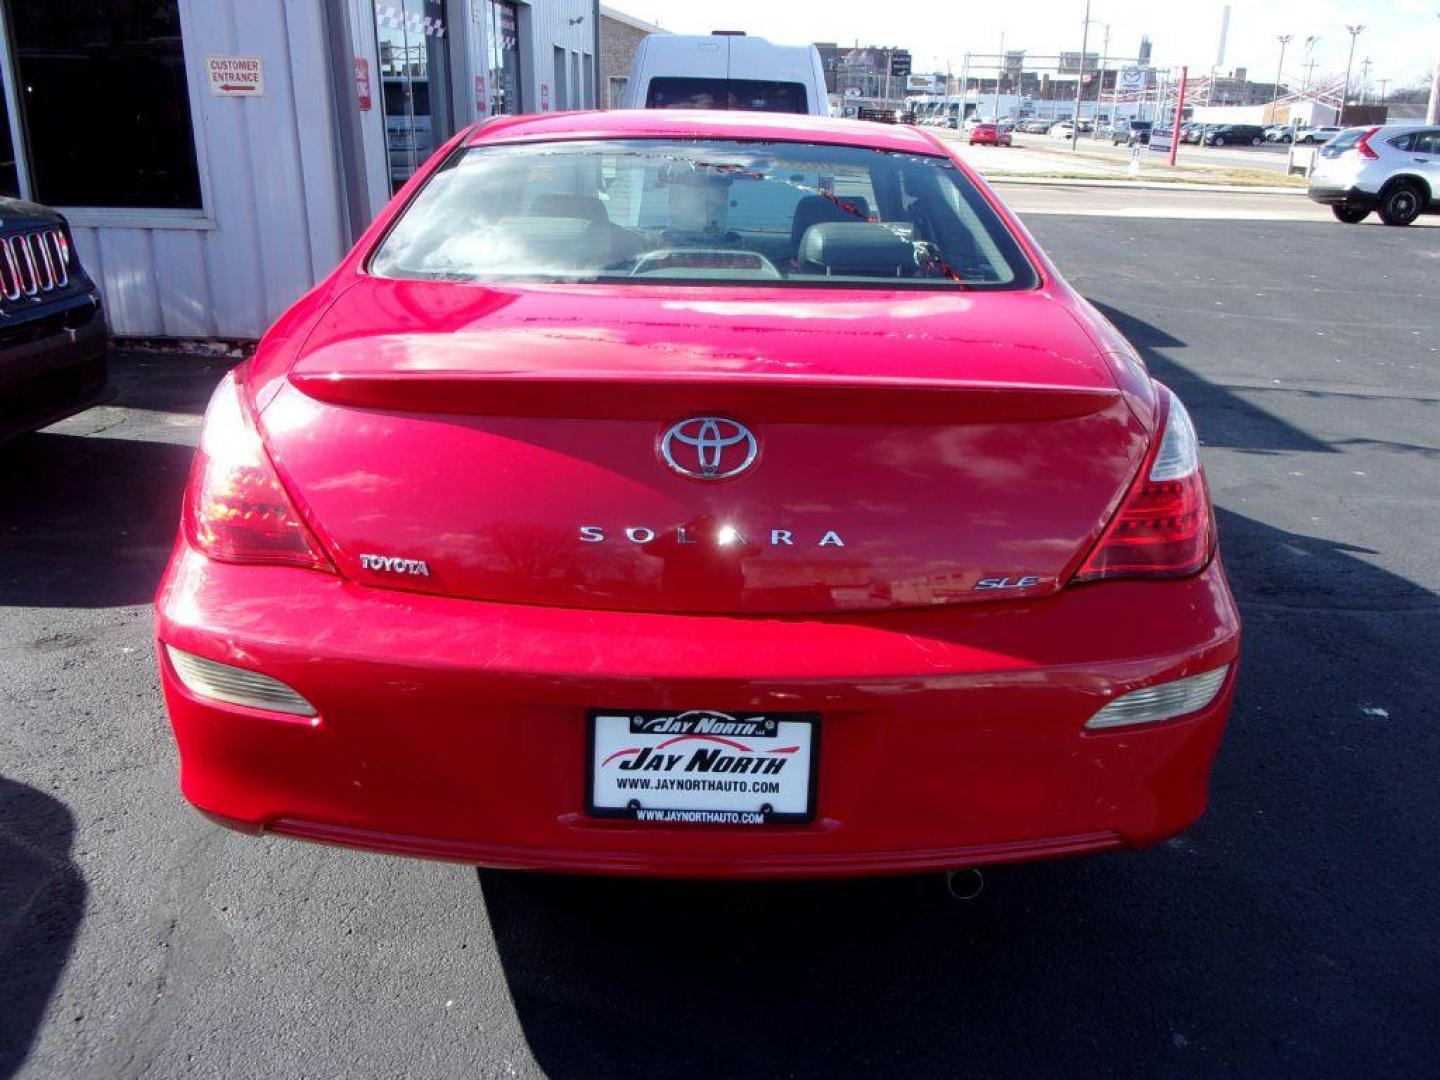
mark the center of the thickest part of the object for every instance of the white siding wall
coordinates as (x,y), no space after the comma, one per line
(550,26)
(274,223)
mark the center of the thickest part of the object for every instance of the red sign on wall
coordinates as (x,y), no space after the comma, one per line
(482,106)
(362,83)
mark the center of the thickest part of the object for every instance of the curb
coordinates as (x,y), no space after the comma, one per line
(1142,185)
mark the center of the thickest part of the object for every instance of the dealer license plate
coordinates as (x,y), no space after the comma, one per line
(702,767)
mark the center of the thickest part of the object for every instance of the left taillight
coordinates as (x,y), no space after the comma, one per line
(1166,526)
(236,508)
(1362,145)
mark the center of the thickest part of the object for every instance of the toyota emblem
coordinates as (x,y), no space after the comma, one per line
(709,447)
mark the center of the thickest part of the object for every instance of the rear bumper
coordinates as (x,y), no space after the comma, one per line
(1342,195)
(456,729)
(52,364)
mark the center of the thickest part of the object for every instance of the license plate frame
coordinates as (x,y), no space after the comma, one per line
(795,738)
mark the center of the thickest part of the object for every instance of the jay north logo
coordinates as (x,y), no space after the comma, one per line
(703,723)
(714,746)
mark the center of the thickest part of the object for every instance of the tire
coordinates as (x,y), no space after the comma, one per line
(1255,140)
(1401,203)
(1350,215)
(1217,141)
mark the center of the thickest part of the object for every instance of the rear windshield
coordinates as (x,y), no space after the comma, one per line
(703,212)
(1347,139)
(751,95)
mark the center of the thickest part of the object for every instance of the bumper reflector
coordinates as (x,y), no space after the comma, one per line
(1166,701)
(221,682)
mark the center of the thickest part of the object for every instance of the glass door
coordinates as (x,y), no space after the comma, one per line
(502,31)
(414,81)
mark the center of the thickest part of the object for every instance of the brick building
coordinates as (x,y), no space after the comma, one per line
(620,36)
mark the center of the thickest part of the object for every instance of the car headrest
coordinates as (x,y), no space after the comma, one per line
(558,204)
(861,248)
(816,209)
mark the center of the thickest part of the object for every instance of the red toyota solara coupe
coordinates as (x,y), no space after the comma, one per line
(698,494)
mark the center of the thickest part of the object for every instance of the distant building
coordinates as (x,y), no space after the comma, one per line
(620,37)
(1236,89)
(860,72)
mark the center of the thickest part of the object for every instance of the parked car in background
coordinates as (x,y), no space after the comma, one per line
(1278,133)
(513,557)
(1062,129)
(1392,170)
(1133,133)
(1235,135)
(991,135)
(1317,134)
(52,331)
(1192,133)
(729,71)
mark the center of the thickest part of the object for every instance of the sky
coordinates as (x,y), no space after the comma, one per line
(1402,37)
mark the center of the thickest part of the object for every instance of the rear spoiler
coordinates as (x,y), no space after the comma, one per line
(625,395)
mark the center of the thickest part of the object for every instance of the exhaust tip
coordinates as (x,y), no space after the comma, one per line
(964,884)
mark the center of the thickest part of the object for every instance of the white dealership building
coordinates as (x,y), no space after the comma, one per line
(216,158)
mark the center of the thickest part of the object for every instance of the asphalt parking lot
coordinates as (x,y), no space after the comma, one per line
(1293,932)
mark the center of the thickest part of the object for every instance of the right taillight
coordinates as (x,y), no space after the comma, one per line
(1165,527)
(236,508)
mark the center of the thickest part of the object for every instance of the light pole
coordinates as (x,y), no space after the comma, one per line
(1284,40)
(1354,31)
(1080,78)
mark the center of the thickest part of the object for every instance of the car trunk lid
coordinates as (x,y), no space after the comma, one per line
(509,444)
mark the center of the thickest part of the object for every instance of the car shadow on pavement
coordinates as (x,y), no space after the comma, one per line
(1276,937)
(89,508)
(42,898)
(87,522)
(1230,420)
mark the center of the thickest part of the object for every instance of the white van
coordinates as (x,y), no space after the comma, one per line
(726,70)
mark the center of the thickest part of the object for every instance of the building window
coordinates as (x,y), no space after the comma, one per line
(105,103)
(559,88)
(502,29)
(618,85)
(589,62)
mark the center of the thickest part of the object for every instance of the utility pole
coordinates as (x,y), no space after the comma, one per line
(1080,78)
(1354,31)
(1383,84)
(1364,79)
(998,75)
(964,89)
(1432,110)
(1100,90)
(1284,40)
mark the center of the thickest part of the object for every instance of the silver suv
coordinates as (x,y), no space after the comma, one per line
(1393,170)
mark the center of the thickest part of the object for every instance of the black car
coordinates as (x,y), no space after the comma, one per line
(1235,135)
(52,331)
(1135,133)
